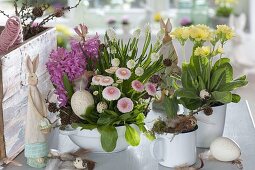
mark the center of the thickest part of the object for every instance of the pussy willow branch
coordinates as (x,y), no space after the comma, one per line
(52,16)
(16,7)
(2,12)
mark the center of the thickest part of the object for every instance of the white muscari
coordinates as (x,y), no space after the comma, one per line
(111,34)
(160,35)
(139,71)
(115,62)
(101,106)
(136,33)
(204,94)
(131,64)
(154,57)
(147,29)
(113,50)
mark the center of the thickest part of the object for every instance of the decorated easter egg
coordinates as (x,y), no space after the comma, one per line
(225,149)
(81,101)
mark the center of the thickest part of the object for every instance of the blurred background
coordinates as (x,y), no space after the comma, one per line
(126,15)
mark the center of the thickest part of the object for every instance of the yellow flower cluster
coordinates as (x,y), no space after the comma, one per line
(224,32)
(181,34)
(203,51)
(200,33)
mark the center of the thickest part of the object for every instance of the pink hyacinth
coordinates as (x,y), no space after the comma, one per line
(125,105)
(88,48)
(123,73)
(61,62)
(81,30)
(151,89)
(137,85)
(111,93)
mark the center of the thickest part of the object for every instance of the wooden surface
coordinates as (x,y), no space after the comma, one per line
(14,82)
(239,127)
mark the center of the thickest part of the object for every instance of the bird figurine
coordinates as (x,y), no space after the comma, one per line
(80,164)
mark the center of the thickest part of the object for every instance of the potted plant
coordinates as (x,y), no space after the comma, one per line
(224,8)
(175,145)
(207,81)
(109,112)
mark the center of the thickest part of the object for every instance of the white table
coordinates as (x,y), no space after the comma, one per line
(239,127)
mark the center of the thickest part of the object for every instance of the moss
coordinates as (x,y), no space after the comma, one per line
(159,127)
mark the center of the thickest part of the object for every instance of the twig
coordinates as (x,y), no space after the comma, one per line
(2,12)
(52,16)
(16,7)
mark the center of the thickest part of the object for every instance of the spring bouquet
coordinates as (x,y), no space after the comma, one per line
(106,85)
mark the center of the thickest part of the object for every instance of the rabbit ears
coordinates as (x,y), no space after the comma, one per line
(167,26)
(32,65)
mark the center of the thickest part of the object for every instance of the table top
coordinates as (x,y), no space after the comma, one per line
(239,126)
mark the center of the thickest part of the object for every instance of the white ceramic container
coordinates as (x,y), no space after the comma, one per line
(90,139)
(210,127)
(175,151)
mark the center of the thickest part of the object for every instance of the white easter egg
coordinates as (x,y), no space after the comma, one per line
(225,149)
(80,101)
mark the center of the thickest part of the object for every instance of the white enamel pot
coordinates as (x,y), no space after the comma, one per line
(210,127)
(90,139)
(175,151)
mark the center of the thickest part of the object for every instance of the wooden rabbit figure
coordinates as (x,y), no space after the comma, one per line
(170,60)
(36,148)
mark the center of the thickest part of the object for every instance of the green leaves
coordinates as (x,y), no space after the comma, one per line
(109,137)
(222,97)
(187,93)
(171,106)
(239,82)
(132,136)
(235,98)
(68,86)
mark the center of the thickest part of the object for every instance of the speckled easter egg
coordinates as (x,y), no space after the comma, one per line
(225,149)
(80,101)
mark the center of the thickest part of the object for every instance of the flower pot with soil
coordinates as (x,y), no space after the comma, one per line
(207,82)
(105,91)
(175,145)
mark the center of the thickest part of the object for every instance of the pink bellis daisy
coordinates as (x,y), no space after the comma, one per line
(137,85)
(111,93)
(106,81)
(96,79)
(151,89)
(123,73)
(125,105)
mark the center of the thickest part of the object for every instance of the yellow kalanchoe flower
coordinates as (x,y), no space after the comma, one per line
(203,51)
(181,34)
(224,31)
(200,33)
